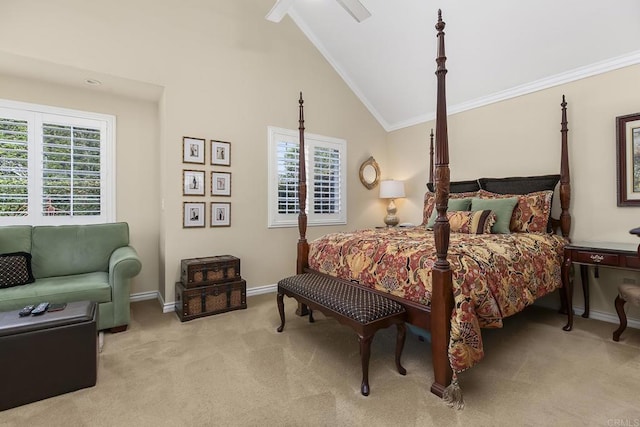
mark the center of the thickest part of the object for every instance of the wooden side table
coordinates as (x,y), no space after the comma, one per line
(596,254)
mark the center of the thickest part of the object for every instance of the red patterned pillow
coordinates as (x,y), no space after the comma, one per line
(471,222)
(430,202)
(532,212)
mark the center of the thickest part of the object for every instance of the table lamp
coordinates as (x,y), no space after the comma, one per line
(391,189)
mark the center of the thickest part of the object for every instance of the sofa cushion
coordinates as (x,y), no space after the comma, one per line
(81,287)
(15,238)
(75,249)
(15,269)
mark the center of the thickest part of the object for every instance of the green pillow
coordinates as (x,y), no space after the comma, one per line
(503,209)
(452,205)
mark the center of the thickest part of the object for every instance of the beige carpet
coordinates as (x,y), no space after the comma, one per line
(234,369)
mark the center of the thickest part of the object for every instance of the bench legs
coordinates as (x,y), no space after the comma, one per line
(402,333)
(365,353)
(622,316)
(280,300)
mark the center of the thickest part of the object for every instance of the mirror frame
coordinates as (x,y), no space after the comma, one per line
(370,162)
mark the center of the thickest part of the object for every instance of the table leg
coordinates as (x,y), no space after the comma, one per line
(584,275)
(568,292)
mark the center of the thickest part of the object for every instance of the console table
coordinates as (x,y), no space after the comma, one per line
(614,255)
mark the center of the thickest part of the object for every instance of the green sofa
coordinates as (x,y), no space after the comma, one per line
(75,263)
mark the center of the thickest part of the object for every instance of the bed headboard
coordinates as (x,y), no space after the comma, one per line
(523,184)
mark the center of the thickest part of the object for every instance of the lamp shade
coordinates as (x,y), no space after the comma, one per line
(391,189)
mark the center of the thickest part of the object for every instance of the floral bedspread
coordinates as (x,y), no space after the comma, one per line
(494,275)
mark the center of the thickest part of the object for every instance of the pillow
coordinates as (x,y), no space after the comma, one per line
(532,212)
(15,269)
(452,205)
(503,209)
(478,222)
(519,185)
(458,186)
(430,202)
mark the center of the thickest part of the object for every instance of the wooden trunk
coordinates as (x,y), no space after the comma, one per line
(197,272)
(202,301)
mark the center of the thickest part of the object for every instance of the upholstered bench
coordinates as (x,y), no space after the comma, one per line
(362,310)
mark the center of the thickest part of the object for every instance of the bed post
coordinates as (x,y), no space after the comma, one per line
(566,294)
(303,246)
(565,182)
(442,294)
(302,260)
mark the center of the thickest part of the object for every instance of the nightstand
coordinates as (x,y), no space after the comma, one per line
(596,254)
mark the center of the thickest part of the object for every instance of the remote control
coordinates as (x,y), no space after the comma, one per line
(40,309)
(26,310)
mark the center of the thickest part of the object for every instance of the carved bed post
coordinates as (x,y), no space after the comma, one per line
(303,246)
(302,260)
(565,182)
(442,294)
(566,295)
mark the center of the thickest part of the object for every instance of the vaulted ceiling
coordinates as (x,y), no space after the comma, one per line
(496,49)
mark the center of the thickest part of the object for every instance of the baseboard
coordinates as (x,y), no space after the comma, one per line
(607,317)
(143,296)
(266,289)
(169,307)
(593,314)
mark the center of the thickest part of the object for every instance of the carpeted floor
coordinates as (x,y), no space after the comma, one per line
(234,369)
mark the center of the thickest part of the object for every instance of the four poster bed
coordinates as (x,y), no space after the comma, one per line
(454,283)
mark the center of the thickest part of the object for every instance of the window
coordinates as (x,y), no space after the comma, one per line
(325,162)
(56,165)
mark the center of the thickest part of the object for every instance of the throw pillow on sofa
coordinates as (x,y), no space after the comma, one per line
(15,269)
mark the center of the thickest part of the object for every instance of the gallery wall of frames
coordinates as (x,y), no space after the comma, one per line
(199,182)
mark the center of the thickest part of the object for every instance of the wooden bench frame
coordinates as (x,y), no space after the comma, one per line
(365,331)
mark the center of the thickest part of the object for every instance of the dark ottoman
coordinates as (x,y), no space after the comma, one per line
(47,355)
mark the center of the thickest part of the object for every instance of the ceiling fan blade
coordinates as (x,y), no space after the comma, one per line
(355,9)
(278,10)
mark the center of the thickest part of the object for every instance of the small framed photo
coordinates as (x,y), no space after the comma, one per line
(193,215)
(220,183)
(220,214)
(192,183)
(193,150)
(220,153)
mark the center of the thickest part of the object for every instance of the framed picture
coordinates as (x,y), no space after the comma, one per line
(220,214)
(192,183)
(220,153)
(193,214)
(628,159)
(193,150)
(220,183)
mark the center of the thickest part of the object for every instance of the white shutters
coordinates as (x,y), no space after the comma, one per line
(71,182)
(14,167)
(325,160)
(56,165)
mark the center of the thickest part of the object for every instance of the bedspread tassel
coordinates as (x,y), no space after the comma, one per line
(452,395)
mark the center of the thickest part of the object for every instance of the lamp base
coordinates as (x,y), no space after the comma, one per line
(391,219)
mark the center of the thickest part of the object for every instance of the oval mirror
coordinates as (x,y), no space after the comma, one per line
(369,173)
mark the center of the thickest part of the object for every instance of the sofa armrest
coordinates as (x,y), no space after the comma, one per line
(123,264)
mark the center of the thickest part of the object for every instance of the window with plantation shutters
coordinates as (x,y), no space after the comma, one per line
(14,167)
(325,162)
(56,165)
(71,182)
